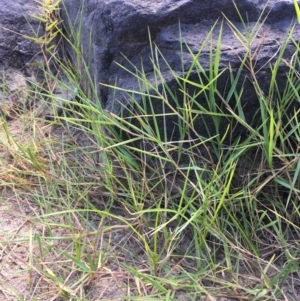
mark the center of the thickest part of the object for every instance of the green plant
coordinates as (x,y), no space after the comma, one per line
(119,203)
(51,23)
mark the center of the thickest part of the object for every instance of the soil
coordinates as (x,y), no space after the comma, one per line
(20,228)
(19,277)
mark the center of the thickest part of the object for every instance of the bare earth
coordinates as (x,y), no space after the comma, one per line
(29,262)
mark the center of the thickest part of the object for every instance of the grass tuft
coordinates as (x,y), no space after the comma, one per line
(123,206)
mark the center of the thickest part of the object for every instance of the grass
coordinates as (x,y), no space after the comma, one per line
(122,204)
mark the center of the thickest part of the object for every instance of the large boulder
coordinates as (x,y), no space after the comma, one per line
(19,56)
(115,32)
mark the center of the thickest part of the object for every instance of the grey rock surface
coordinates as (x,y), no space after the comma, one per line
(18,55)
(115,32)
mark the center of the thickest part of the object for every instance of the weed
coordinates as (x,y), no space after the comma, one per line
(121,199)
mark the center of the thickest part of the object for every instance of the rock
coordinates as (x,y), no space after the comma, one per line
(115,32)
(19,56)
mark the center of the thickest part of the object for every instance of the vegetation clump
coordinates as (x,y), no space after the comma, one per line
(127,214)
